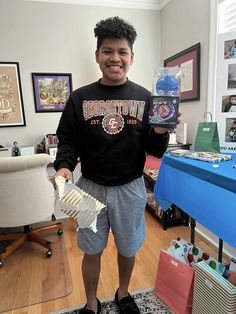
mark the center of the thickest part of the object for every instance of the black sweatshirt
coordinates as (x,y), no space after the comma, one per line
(106,126)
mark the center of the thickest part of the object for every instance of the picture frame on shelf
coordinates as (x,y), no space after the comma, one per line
(51,91)
(11,99)
(189,62)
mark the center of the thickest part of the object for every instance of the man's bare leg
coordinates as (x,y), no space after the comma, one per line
(91,270)
(125,266)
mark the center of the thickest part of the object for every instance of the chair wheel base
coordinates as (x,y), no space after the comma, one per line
(48,254)
(60,232)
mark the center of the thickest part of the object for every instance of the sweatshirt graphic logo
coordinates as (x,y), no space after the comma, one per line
(113,123)
(99,108)
(113,115)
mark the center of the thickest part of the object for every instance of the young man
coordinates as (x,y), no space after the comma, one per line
(105,124)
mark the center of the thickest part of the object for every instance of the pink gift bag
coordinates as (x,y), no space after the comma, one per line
(174,284)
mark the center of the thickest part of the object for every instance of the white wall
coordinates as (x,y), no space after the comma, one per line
(49,37)
(183,24)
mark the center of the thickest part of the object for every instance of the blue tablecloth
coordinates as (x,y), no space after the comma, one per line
(205,193)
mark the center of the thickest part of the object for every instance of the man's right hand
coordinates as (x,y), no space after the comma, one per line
(65,173)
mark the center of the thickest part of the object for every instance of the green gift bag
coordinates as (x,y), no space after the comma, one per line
(207,138)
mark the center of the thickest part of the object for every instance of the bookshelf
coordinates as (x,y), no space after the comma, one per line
(51,141)
(174,216)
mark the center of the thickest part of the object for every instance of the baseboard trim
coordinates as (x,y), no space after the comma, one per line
(213,242)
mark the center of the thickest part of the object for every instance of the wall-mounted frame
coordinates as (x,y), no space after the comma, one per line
(51,91)
(189,62)
(11,100)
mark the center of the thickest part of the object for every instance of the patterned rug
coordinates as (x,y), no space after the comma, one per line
(146,300)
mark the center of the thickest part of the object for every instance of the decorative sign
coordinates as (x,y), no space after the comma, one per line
(11,101)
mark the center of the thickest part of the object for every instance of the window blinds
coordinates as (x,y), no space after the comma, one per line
(227,16)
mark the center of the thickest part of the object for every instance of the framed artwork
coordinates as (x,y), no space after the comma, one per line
(11,100)
(51,91)
(189,62)
(232,76)
(230,130)
(228,103)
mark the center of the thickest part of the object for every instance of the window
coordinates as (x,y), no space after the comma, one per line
(227,16)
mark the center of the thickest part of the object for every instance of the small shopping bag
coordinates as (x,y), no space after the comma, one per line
(174,284)
(207,138)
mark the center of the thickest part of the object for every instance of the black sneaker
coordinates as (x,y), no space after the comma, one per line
(126,305)
(87,311)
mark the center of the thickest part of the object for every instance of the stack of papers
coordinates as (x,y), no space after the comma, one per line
(179,152)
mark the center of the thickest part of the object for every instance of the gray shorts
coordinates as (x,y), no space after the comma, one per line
(123,214)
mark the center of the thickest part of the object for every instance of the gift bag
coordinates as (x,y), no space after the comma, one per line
(207,138)
(192,254)
(174,283)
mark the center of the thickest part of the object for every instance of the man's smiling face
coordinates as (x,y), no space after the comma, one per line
(114,58)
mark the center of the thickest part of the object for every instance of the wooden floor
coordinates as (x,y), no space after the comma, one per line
(144,271)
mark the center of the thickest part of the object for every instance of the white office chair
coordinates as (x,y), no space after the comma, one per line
(26,197)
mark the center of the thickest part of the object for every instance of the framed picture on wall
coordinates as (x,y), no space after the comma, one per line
(189,62)
(230,49)
(232,76)
(11,100)
(51,91)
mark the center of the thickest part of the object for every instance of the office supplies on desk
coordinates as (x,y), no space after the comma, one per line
(208,156)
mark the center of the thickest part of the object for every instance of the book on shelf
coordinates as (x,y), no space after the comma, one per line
(181,133)
(51,140)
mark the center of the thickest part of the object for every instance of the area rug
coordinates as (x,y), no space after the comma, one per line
(28,277)
(146,300)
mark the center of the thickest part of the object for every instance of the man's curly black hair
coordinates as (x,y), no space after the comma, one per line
(114,27)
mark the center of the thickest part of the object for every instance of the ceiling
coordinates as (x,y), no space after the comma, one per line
(134,4)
